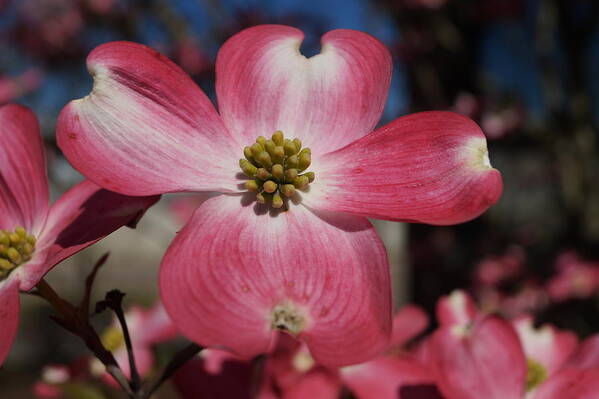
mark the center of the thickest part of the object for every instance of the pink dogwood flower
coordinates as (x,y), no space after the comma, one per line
(287,245)
(290,371)
(398,373)
(576,278)
(147,327)
(478,355)
(34,236)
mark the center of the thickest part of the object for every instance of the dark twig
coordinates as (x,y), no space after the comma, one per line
(76,321)
(70,319)
(114,301)
(175,364)
(89,283)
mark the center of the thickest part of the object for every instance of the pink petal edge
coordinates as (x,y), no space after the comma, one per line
(23,181)
(570,384)
(9,315)
(410,321)
(390,378)
(485,360)
(82,216)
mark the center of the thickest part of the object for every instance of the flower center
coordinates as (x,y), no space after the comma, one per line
(16,248)
(536,374)
(274,168)
(287,317)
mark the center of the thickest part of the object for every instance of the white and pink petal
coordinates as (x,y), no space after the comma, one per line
(547,345)
(264,84)
(146,128)
(236,272)
(456,309)
(428,167)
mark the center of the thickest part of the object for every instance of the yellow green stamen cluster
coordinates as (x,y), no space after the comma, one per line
(16,248)
(275,167)
(536,374)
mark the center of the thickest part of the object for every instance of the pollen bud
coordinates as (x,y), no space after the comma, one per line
(247,153)
(300,181)
(278,171)
(14,238)
(27,249)
(247,167)
(290,175)
(260,198)
(269,146)
(288,190)
(298,144)
(305,151)
(256,149)
(289,147)
(278,137)
(277,201)
(252,185)
(264,159)
(310,176)
(278,155)
(263,198)
(4,239)
(5,265)
(262,174)
(293,161)
(21,231)
(31,239)
(14,255)
(261,140)
(304,161)
(270,186)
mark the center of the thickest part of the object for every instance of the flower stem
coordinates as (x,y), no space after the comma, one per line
(114,300)
(171,368)
(71,320)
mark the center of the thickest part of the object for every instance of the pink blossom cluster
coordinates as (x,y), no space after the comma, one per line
(573,278)
(471,354)
(13,87)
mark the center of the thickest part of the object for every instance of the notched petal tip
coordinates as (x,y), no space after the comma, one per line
(477,154)
(327,100)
